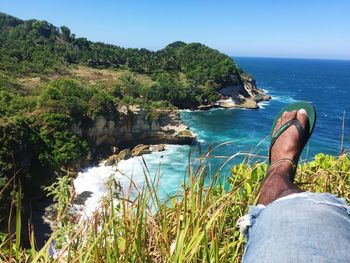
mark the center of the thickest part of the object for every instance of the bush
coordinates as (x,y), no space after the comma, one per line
(196,225)
(76,101)
(64,146)
(66,96)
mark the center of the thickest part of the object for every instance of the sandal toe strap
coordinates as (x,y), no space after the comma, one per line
(284,127)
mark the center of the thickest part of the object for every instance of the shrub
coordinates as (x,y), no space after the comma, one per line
(196,225)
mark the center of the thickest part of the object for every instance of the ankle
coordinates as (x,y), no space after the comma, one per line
(278,183)
(284,169)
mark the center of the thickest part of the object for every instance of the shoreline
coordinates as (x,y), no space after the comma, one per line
(260,103)
(114,168)
(90,183)
(173,134)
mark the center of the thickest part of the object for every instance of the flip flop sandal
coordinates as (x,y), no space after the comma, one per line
(310,125)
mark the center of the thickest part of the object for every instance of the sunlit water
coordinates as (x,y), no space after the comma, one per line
(325,83)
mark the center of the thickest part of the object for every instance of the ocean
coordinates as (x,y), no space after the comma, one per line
(325,83)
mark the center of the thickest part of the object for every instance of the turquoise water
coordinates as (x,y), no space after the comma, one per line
(325,83)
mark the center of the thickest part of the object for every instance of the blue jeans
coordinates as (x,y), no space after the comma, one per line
(302,227)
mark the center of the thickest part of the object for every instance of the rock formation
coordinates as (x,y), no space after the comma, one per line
(245,95)
(133,125)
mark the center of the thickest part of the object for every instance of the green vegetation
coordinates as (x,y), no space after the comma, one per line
(33,46)
(50,80)
(37,139)
(180,70)
(197,225)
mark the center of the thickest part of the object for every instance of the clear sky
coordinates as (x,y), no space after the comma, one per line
(266,28)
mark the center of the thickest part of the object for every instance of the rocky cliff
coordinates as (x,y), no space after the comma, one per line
(245,95)
(134,125)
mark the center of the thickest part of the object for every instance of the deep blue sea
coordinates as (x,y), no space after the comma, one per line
(325,83)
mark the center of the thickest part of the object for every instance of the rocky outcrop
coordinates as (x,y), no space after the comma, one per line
(115,158)
(132,125)
(140,150)
(245,95)
(157,147)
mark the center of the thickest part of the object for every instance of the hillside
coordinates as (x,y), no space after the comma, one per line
(193,71)
(66,101)
(39,47)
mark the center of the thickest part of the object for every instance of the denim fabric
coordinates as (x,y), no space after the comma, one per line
(303,227)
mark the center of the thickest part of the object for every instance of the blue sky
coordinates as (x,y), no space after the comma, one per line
(264,28)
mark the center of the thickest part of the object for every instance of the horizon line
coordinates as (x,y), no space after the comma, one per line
(187,42)
(296,58)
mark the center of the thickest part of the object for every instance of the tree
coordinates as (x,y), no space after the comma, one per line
(65,32)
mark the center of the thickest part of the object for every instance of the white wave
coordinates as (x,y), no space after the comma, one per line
(284,99)
(188,110)
(93,179)
(217,109)
(262,104)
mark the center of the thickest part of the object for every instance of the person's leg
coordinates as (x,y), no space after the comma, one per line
(279,178)
(288,225)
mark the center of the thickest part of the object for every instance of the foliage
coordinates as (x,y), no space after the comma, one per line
(61,191)
(38,47)
(79,102)
(45,111)
(37,138)
(14,104)
(12,101)
(19,143)
(64,147)
(196,225)
(166,88)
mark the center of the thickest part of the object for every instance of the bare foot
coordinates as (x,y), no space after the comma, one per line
(290,142)
(279,179)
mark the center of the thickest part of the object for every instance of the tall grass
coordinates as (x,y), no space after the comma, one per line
(196,225)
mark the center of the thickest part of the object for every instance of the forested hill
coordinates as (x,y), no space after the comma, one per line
(55,87)
(35,46)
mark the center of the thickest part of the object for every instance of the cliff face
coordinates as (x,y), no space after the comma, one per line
(133,125)
(245,95)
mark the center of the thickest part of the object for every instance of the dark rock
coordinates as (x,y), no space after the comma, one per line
(81,198)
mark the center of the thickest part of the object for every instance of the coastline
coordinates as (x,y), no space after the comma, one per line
(90,182)
(116,139)
(246,95)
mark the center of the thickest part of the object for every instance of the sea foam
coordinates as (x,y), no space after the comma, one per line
(93,179)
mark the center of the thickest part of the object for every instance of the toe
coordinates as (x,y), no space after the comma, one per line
(302,117)
(286,116)
(289,115)
(280,121)
(278,125)
(293,114)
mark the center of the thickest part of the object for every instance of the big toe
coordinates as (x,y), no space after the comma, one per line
(302,117)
